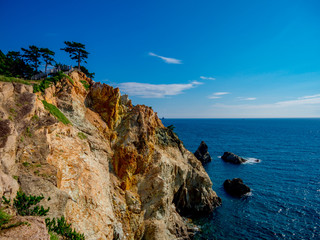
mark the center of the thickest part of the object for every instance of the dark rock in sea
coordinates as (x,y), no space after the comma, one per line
(232,158)
(236,187)
(202,153)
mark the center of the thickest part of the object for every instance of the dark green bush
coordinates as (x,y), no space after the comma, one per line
(44,84)
(5,200)
(23,204)
(62,228)
(171,127)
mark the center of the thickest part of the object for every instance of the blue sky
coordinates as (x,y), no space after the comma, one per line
(186,59)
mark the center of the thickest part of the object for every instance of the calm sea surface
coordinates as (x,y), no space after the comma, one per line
(285,200)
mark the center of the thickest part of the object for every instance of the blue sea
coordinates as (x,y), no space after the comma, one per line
(285,199)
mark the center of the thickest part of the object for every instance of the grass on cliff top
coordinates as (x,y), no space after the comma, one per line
(13,79)
(56,112)
(44,84)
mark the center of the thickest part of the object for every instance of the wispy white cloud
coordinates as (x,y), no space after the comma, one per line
(306,100)
(220,93)
(217,95)
(312,96)
(247,99)
(207,78)
(147,90)
(306,106)
(166,59)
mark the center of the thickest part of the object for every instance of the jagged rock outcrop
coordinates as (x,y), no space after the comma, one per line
(202,153)
(236,187)
(115,172)
(232,158)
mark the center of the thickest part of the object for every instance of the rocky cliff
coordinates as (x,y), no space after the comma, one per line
(114,171)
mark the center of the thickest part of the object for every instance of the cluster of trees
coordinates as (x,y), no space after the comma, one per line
(26,64)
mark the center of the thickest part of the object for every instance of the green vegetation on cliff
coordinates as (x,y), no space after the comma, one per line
(13,79)
(22,203)
(47,82)
(62,228)
(56,112)
(4,218)
(28,205)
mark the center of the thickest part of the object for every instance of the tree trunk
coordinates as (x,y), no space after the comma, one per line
(79,61)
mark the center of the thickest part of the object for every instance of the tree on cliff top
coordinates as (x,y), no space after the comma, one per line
(12,65)
(76,51)
(32,56)
(47,56)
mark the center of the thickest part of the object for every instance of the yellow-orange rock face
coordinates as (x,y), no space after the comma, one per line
(115,172)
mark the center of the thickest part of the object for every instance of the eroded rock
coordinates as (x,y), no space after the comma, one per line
(236,187)
(202,153)
(115,172)
(232,158)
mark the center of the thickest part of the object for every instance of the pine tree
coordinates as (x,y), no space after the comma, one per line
(47,56)
(32,55)
(76,51)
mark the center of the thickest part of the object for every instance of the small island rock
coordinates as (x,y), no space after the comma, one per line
(232,158)
(202,153)
(236,187)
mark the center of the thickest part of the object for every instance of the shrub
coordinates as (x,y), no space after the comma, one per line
(4,218)
(56,112)
(5,200)
(23,204)
(26,164)
(35,118)
(82,136)
(62,228)
(171,127)
(44,84)
(85,84)
(53,236)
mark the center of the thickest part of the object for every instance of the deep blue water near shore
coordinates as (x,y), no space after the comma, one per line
(285,201)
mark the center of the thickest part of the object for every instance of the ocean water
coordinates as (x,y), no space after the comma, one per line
(285,199)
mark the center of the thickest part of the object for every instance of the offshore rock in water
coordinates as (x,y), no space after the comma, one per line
(202,153)
(236,187)
(232,158)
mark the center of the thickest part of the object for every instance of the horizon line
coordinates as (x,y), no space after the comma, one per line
(240,118)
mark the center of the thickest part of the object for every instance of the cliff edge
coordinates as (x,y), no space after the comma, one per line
(114,171)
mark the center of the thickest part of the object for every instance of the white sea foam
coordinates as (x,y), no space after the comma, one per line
(249,194)
(251,160)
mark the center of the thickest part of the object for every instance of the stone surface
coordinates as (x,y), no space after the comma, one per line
(202,153)
(232,158)
(236,187)
(35,229)
(115,172)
